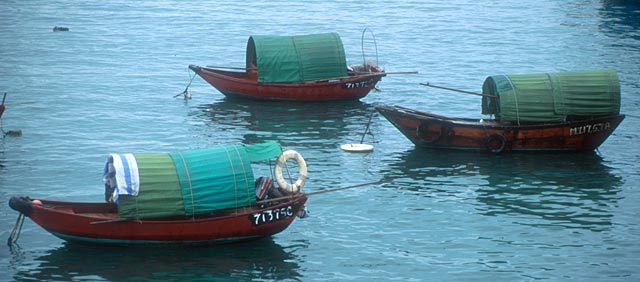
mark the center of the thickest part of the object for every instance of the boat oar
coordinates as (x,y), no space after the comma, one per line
(361,74)
(392,72)
(461,91)
(324,191)
(231,68)
(349,187)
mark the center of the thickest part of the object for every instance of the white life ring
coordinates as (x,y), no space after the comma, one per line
(302,174)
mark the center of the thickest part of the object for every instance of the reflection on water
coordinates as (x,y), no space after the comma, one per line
(2,160)
(290,123)
(257,260)
(620,18)
(568,190)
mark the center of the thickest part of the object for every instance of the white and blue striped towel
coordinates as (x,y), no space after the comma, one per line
(121,174)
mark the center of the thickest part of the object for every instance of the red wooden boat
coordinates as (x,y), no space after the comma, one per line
(433,131)
(571,111)
(235,84)
(195,197)
(294,68)
(98,223)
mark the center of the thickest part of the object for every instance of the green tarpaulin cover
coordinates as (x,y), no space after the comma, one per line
(287,59)
(194,182)
(551,97)
(159,196)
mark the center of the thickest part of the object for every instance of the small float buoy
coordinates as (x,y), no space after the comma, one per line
(60,28)
(14,133)
(360,148)
(357,148)
(37,202)
(187,94)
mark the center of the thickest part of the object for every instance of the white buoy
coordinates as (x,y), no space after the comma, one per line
(357,148)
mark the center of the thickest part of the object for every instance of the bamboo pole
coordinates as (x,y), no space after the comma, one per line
(231,68)
(323,191)
(365,74)
(393,72)
(358,73)
(277,199)
(461,91)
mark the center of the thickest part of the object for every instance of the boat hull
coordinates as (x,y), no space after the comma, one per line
(241,85)
(433,131)
(97,223)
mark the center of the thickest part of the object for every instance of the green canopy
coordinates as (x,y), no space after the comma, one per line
(287,59)
(159,194)
(551,97)
(195,182)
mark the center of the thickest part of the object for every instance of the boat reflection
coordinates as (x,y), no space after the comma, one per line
(620,18)
(569,190)
(257,260)
(312,125)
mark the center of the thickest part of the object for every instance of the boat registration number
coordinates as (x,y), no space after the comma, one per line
(267,216)
(359,84)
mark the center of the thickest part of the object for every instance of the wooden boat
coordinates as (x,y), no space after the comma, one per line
(571,111)
(439,132)
(98,223)
(305,68)
(195,197)
(235,84)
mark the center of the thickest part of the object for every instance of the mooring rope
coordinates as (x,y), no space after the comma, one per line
(288,172)
(15,232)
(186,93)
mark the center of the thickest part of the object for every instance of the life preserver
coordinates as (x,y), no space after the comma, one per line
(302,174)
(495,143)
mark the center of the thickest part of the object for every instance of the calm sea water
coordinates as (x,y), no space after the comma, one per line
(108,85)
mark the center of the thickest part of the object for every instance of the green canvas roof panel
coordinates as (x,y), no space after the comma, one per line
(193,182)
(159,195)
(263,151)
(551,97)
(214,179)
(288,59)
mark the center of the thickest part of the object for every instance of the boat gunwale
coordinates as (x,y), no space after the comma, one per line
(68,208)
(489,123)
(246,80)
